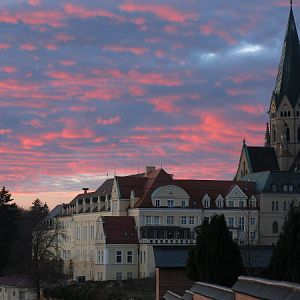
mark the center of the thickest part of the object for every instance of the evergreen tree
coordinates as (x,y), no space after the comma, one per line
(285,263)
(216,258)
(9,214)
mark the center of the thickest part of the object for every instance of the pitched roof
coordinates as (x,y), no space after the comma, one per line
(212,291)
(196,189)
(266,289)
(104,189)
(287,82)
(120,230)
(22,281)
(264,181)
(262,158)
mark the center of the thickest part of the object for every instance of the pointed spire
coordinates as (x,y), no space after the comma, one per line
(267,136)
(287,82)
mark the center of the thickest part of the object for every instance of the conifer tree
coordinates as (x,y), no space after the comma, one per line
(285,262)
(216,258)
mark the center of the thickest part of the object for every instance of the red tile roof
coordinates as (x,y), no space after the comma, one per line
(196,189)
(120,230)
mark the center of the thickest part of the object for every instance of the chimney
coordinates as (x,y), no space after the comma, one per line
(149,169)
(85,190)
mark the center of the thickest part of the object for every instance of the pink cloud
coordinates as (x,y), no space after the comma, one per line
(68,62)
(81,108)
(9,69)
(51,47)
(251,109)
(165,104)
(28,47)
(63,37)
(4,46)
(164,12)
(5,131)
(84,13)
(34,2)
(133,50)
(110,121)
(35,123)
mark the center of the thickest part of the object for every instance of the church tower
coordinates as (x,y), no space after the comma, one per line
(285,103)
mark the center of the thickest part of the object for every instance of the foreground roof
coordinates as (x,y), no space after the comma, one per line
(266,289)
(21,281)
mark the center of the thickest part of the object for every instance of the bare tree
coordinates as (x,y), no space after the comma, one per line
(46,246)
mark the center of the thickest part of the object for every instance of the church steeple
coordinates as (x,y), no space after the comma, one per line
(284,109)
(287,82)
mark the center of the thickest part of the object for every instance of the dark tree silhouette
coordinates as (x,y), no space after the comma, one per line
(9,214)
(216,258)
(285,263)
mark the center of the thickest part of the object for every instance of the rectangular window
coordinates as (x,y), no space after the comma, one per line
(274,187)
(252,203)
(252,235)
(242,224)
(148,220)
(231,222)
(285,187)
(192,220)
(183,220)
(119,257)
(129,275)
(241,203)
(156,220)
(92,233)
(119,276)
(291,188)
(183,203)
(170,220)
(157,203)
(230,203)
(77,233)
(170,203)
(129,257)
(84,235)
(252,221)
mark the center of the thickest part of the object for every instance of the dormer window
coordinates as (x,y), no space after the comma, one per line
(274,187)
(206,201)
(157,203)
(291,188)
(183,204)
(241,203)
(170,203)
(219,201)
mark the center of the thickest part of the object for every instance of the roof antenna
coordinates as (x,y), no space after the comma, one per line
(161,165)
(114,170)
(291,1)
(138,166)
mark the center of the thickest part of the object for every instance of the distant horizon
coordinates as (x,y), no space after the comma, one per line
(109,87)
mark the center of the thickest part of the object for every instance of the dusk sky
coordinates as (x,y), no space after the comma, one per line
(98,87)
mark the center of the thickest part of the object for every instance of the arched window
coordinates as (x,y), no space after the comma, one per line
(281,114)
(275,227)
(287,133)
(285,114)
(274,133)
(289,113)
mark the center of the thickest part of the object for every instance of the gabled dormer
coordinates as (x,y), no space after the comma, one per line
(206,201)
(219,202)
